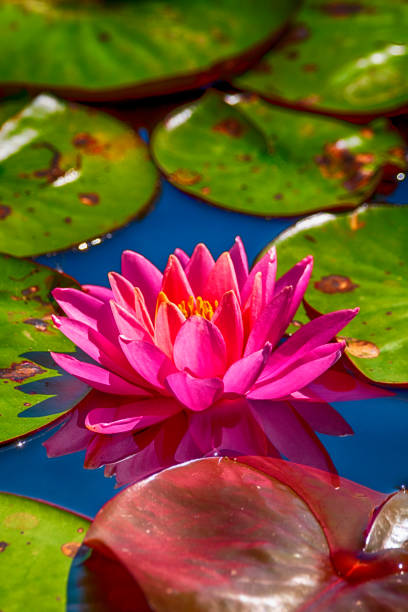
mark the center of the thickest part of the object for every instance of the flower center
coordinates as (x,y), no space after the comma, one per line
(200,307)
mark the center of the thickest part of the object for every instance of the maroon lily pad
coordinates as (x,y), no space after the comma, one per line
(256,534)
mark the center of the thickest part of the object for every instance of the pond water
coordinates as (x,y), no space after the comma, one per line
(375,456)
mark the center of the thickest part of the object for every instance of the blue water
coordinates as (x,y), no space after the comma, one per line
(376,455)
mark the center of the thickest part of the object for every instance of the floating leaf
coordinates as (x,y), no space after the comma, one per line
(348,57)
(113,50)
(36,551)
(34,392)
(254,534)
(68,174)
(245,154)
(360,260)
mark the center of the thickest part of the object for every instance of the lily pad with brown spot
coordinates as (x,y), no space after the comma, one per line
(368,249)
(38,543)
(68,174)
(245,154)
(98,50)
(344,58)
(33,391)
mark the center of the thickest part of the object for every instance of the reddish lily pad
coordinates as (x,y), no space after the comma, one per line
(241,153)
(113,50)
(255,534)
(69,174)
(34,392)
(38,542)
(360,260)
(348,57)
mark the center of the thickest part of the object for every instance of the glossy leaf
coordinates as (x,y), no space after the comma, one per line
(250,534)
(36,551)
(68,174)
(34,392)
(339,57)
(132,48)
(245,154)
(360,260)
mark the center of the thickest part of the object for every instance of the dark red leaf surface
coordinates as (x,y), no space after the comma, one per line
(256,534)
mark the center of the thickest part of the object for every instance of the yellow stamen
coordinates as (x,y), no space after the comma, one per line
(199,307)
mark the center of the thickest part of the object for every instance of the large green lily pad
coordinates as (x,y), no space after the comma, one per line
(360,259)
(348,57)
(98,49)
(33,392)
(38,542)
(242,153)
(68,174)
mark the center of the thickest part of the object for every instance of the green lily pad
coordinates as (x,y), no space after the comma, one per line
(68,174)
(131,48)
(38,542)
(360,259)
(248,155)
(348,57)
(34,392)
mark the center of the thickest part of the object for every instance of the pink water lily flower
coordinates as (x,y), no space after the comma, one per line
(190,363)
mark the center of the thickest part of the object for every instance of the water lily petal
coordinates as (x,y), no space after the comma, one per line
(228,319)
(242,374)
(298,277)
(236,431)
(94,344)
(307,338)
(175,284)
(268,325)
(169,319)
(148,361)
(198,269)
(182,257)
(267,267)
(143,274)
(195,393)
(123,290)
(240,261)
(131,416)
(221,279)
(97,377)
(300,375)
(79,305)
(127,324)
(254,304)
(101,293)
(290,434)
(200,348)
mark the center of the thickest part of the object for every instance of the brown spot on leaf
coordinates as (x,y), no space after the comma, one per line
(21,520)
(30,290)
(342,9)
(185,177)
(104,37)
(296,34)
(5,211)
(367,133)
(53,171)
(362,348)
(68,220)
(205,190)
(389,312)
(335,283)
(355,222)
(278,196)
(338,162)
(3,546)
(309,67)
(310,100)
(89,199)
(244,157)
(70,549)
(80,530)
(88,144)
(21,371)
(231,127)
(39,324)
(309,238)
